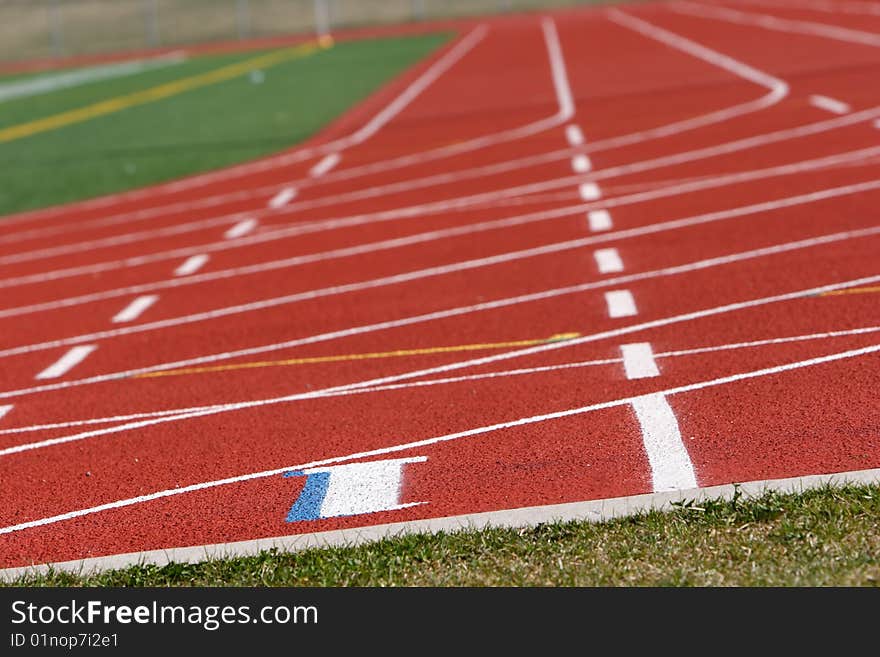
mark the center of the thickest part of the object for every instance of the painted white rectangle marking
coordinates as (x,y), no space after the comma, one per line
(608,260)
(671,467)
(67,362)
(240,229)
(620,303)
(135,309)
(358,488)
(574,135)
(5,409)
(829,104)
(282,198)
(325,165)
(638,361)
(590,191)
(192,264)
(599,220)
(581,164)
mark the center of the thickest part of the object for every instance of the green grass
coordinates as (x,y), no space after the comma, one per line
(199,130)
(828,536)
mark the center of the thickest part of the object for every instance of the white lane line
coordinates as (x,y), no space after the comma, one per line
(829,104)
(117,504)
(608,261)
(241,229)
(671,467)
(638,361)
(135,309)
(620,304)
(581,164)
(573,135)
(67,362)
(464,379)
(589,191)
(599,220)
(876,123)
(192,264)
(325,165)
(4,409)
(282,198)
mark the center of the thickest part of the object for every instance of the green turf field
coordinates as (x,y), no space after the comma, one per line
(208,127)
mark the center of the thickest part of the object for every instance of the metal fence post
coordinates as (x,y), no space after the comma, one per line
(322,18)
(418,9)
(56,27)
(243,18)
(151,19)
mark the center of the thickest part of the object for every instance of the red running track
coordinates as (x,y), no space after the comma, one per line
(583,258)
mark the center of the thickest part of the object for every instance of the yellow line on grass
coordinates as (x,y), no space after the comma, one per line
(159,92)
(351,357)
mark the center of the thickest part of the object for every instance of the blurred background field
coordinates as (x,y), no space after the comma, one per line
(39,29)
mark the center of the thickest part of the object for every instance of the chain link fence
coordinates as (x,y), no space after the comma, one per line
(36,29)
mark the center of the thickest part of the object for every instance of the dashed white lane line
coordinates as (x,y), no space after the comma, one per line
(192,264)
(620,304)
(325,165)
(4,409)
(240,229)
(282,198)
(671,466)
(638,361)
(135,309)
(590,191)
(581,164)
(608,261)
(599,220)
(67,362)
(574,136)
(829,104)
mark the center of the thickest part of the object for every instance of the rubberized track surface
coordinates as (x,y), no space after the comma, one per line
(575,256)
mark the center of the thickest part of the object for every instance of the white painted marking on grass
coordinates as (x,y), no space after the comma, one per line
(638,361)
(241,229)
(282,198)
(620,304)
(599,220)
(573,135)
(671,467)
(581,164)
(829,104)
(608,261)
(325,165)
(135,309)
(589,191)
(4,409)
(67,362)
(192,264)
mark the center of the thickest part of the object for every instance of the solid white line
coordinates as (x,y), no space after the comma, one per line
(282,198)
(638,361)
(829,104)
(608,261)
(589,191)
(241,229)
(591,510)
(581,164)
(134,310)
(461,379)
(620,304)
(671,467)
(325,165)
(599,220)
(431,441)
(68,361)
(4,409)
(573,135)
(192,264)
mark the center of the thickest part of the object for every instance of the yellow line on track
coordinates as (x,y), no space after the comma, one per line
(851,290)
(352,357)
(160,92)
